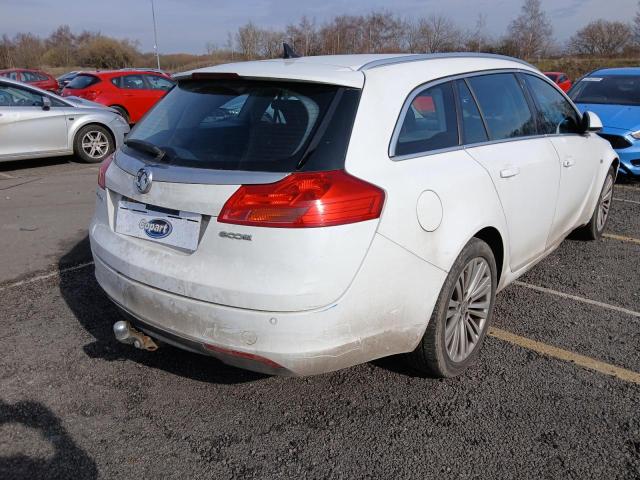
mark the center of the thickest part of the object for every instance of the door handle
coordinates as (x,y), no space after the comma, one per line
(509,172)
(568,162)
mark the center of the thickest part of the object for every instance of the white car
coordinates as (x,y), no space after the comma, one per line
(299,216)
(35,123)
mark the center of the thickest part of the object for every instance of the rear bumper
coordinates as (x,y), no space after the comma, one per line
(291,344)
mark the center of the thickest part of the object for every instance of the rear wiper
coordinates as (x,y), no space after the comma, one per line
(146,147)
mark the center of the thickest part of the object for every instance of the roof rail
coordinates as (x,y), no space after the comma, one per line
(432,56)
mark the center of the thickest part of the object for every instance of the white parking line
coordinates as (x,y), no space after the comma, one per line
(625,200)
(45,276)
(6,175)
(578,299)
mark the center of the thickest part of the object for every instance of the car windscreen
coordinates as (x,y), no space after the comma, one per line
(251,125)
(612,89)
(82,81)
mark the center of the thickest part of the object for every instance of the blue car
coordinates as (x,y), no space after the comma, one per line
(614,95)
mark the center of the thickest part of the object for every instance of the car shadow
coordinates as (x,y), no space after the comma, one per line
(68,460)
(97,314)
(16,165)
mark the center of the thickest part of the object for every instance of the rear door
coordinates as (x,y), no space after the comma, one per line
(523,165)
(25,127)
(138,96)
(579,165)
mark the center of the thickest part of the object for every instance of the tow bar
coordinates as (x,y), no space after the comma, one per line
(125,333)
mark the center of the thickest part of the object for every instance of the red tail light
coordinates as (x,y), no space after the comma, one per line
(317,199)
(102,173)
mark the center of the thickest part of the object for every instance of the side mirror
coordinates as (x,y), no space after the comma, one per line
(591,122)
(46,103)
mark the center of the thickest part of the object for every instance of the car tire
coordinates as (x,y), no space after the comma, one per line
(594,229)
(93,143)
(123,113)
(439,354)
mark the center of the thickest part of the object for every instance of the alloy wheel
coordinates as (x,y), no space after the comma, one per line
(605,203)
(468,309)
(95,144)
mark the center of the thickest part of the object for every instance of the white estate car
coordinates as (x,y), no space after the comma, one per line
(298,216)
(35,123)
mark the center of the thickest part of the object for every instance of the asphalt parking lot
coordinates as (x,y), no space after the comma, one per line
(556,393)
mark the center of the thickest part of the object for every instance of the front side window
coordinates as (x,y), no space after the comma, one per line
(429,123)
(504,106)
(11,96)
(608,89)
(252,125)
(473,130)
(555,113)
(159,83)
(10,75)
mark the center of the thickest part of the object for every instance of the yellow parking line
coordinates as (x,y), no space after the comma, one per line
(628,187)
(566,355)
(635,202)
(622,238)
(6,175)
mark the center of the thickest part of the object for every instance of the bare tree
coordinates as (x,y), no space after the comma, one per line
(531,31)
(248,39)
(601,38)
(61,47)
(477,40)
(435,33)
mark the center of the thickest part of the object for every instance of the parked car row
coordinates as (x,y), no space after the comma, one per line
(36,123)
(132,92)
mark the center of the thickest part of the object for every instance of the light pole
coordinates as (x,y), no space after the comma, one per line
(155,34)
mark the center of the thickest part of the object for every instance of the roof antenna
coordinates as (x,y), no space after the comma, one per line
(289,52)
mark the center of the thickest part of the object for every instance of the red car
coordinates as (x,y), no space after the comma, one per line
(36,78)
(560,79)
(131,92)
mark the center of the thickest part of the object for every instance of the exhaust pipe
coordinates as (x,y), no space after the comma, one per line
(125,333)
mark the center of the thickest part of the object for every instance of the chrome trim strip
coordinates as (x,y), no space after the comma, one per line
(181,174)
(435,56)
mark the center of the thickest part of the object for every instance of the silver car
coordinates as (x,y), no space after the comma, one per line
(35,123)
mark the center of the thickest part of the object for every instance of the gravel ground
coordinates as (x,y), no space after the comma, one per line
(76,404)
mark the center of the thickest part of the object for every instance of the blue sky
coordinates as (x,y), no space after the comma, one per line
(187,25)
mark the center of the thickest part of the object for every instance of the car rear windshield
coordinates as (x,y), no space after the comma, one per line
(240,124)
(83,81)
(612,89)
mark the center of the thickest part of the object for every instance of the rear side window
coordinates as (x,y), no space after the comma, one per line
(159,83)
(473,130)
(503,105)
(555,113)
(83,81)
(10,75)
(429,123)
(252,125)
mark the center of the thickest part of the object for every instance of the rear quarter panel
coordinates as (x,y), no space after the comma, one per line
(467,195)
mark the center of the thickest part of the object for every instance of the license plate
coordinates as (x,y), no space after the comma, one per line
(179,229)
